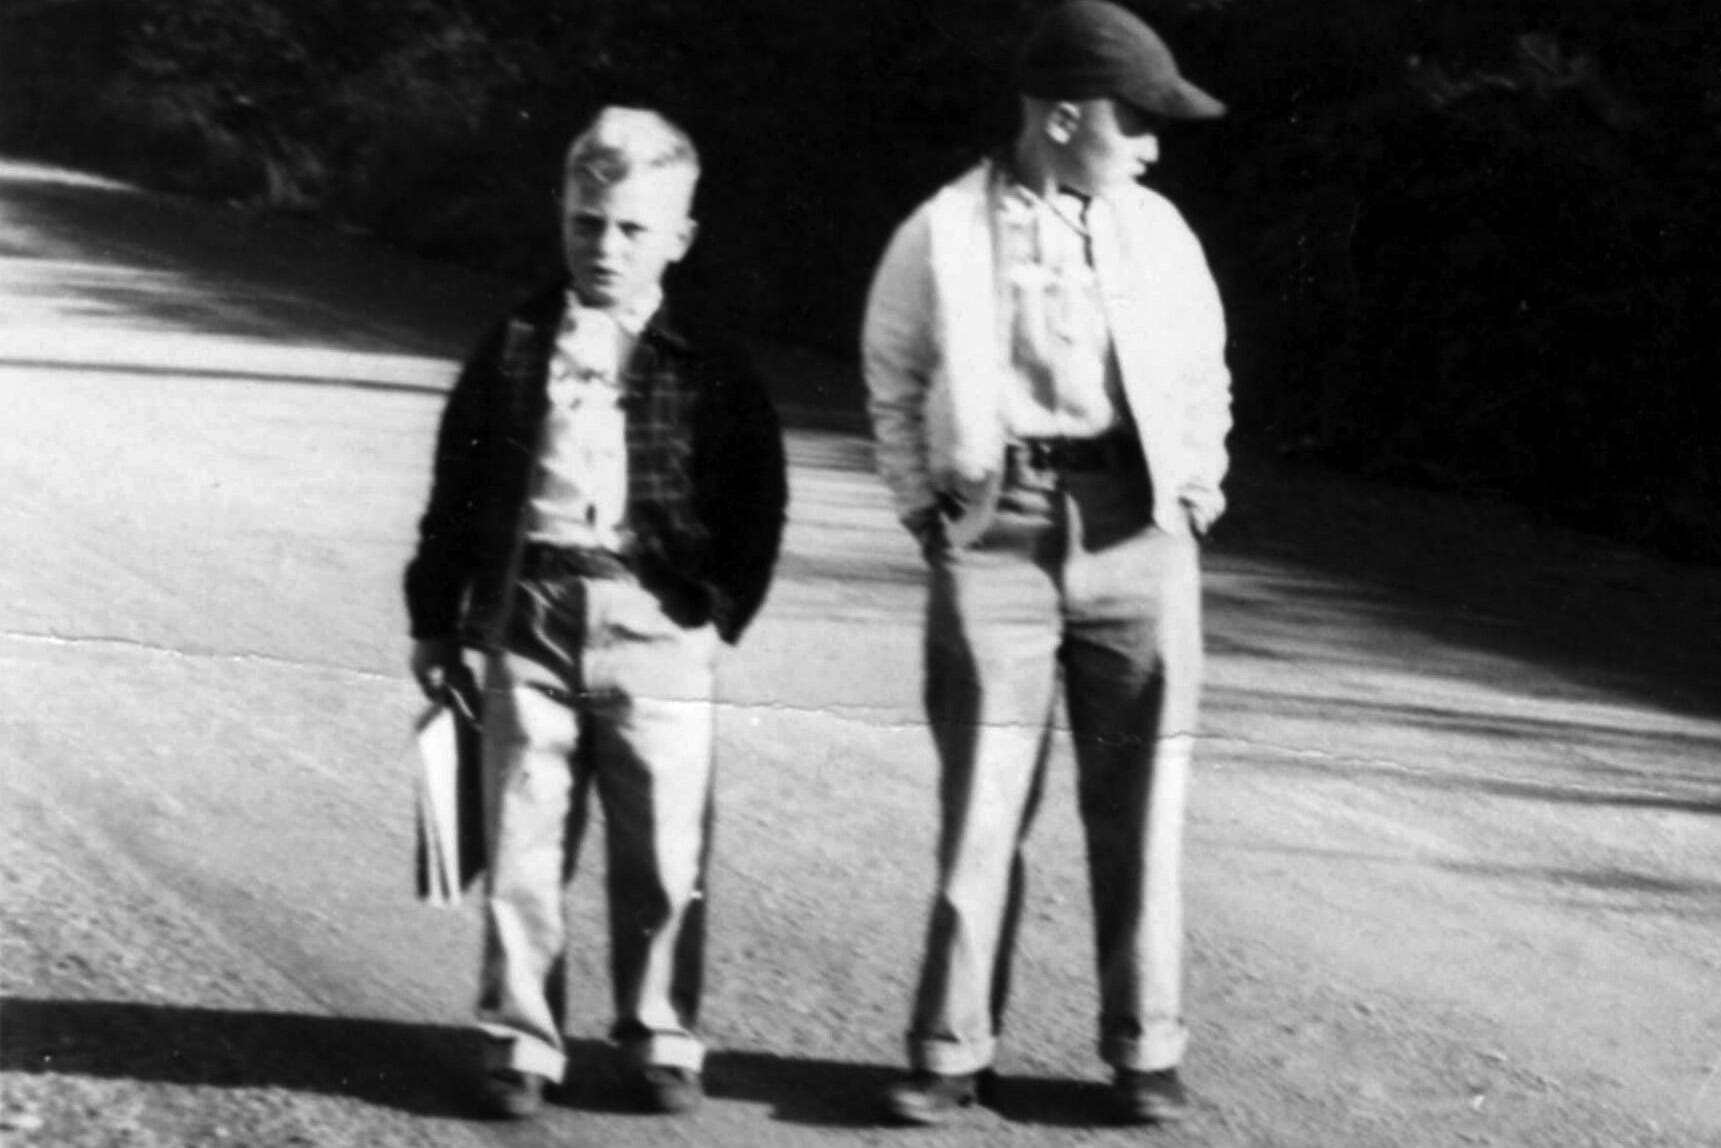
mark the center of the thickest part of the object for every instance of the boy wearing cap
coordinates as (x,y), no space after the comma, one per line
(607,505)
(1044,354)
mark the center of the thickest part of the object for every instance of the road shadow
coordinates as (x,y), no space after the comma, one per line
(823,1093)
(428,1069)
(418,1068)
(794,1090)
(1552,612)
(1605,764)
(173,265)
(1634,889)
(179,264)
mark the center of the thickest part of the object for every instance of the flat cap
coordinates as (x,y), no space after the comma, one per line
(1091,50)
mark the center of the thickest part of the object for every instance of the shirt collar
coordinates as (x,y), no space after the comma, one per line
(631,318)
(1067,206)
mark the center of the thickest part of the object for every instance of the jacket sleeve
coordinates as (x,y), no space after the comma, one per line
(754,499)
(898,355)
(442,569)
(1205,384)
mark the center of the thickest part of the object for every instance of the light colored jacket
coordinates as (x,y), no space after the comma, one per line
(936,355)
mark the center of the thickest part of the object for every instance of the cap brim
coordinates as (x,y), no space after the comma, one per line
(1179,101)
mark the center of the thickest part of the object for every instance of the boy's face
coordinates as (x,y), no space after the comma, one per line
(1110,145)
(619,240)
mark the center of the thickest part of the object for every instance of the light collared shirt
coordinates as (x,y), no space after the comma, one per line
(1065,380)
(935,350)
(579,495)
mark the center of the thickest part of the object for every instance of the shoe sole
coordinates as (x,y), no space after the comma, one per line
(669,1098)
(511,1104)
(928,1115)
(1132,1115)
(499,1108)
(677,1106)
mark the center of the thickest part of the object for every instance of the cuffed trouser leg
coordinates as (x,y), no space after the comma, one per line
(536,809)
(653,729)
(1071,574)
(1132,662)
(991,674)
(613,692)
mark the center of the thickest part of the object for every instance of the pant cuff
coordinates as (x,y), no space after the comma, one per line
(505,1049)
(951,1058)
(1161,1047)
(669,1051)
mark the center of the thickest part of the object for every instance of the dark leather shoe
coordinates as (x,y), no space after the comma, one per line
(932,1097)
(668,1090)
(1149,1097)
(509,1094)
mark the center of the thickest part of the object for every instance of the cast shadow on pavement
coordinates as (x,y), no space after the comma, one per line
(1492,593)
(796,1090)
(427,1069)
(180,265)
(418,1068)
(1670,771)
(822,1093)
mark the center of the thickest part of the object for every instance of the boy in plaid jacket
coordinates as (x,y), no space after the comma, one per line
(606,510)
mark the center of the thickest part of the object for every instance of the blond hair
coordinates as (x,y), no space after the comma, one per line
(621,142)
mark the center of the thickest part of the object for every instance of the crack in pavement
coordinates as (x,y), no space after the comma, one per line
(870,716)
(108,642)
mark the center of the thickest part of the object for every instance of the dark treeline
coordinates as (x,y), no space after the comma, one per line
(1477,246)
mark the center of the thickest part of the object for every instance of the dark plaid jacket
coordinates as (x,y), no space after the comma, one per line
(706,484)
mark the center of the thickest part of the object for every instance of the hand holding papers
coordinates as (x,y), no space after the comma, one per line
(450,799)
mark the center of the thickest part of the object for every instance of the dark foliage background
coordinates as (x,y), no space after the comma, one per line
(1477,246)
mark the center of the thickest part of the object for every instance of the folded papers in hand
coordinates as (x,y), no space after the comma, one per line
(450,802)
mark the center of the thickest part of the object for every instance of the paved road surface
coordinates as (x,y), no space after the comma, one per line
(1455,850)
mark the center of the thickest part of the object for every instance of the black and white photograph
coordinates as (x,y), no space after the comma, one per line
(838,573)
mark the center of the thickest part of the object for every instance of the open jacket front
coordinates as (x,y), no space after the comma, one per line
(706,485)
(936,363)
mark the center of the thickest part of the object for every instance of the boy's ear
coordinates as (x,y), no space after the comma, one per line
(1062,123)
(689,232)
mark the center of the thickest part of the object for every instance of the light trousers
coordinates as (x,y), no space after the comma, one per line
(596,686)
(1072,581)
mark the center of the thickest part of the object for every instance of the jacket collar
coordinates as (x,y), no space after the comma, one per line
(544,311)
(663,328)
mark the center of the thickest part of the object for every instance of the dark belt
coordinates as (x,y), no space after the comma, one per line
(1115,451)
(543,560)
